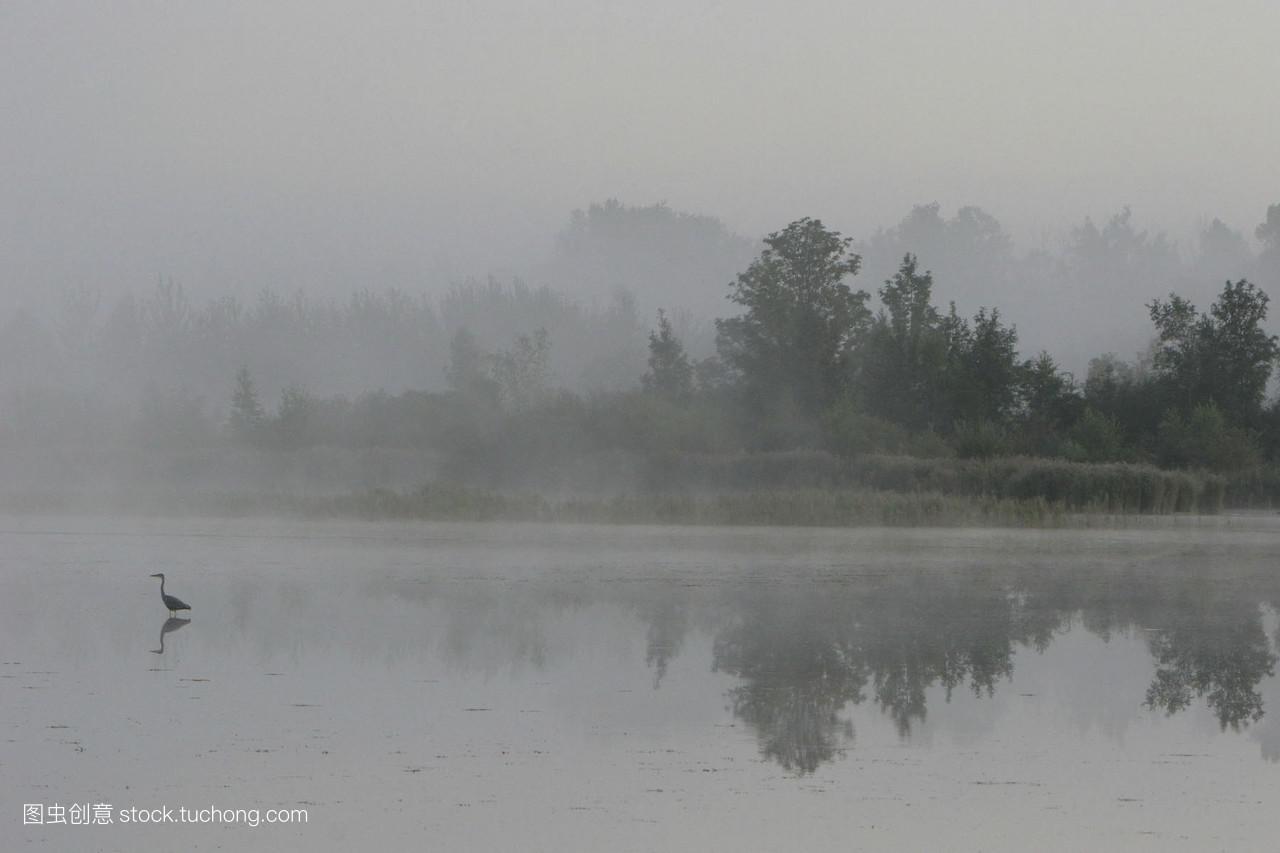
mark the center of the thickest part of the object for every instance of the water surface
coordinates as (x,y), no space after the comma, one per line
(562,688)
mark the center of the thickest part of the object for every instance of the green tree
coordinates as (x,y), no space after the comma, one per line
(793,342)
(1224,356)
(1204,439)
(1130,394)
(984,368)
(1098,438)
(902,361)
(670,372)
(1049,401)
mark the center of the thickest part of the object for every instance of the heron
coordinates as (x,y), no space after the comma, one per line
(170,601)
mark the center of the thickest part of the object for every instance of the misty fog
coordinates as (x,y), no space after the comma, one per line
(94,358)
(336,199)
(671,425)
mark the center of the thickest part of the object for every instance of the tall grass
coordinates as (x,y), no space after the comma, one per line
(1074,486)
(1257,488)
(785,507)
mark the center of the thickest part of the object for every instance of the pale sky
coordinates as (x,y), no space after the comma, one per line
(332,145)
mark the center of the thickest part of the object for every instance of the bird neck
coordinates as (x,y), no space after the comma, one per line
(162,584)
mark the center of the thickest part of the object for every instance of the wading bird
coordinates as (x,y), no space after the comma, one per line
(170,601)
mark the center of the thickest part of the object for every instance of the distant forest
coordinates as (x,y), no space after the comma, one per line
(819,342)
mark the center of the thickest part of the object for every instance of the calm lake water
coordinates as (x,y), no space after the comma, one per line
(593,688)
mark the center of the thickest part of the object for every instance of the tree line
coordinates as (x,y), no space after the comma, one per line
(809,361)
(497,377)
(809,352)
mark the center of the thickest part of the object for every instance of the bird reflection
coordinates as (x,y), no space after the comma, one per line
(170,625)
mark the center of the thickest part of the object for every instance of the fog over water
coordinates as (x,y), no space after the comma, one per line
(473,684)
(669,425)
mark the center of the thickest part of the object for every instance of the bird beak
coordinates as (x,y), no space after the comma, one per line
(156,575)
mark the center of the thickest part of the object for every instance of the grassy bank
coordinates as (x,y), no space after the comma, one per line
(792,489)
(451,502)
(1257,488)
(1072,486)
(789,507)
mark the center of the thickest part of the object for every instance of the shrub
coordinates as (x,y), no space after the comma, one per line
(1204,439)
(980,439)
(1098,438)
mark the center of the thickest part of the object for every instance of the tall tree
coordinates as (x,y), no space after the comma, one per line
(903,358)
(670,372)
(984,381)
(793,341)
(1048,399)
(1224,356)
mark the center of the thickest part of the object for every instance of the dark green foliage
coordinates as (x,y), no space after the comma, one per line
(1049,405)
(1097,438)
(793,342)
(849,432)
(980,439)
(1204,439)
(904,358)
(984,377)
(1131,395)
(670,372)
(925,370)
(1223,357)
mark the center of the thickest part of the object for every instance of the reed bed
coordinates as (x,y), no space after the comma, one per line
(1073,486)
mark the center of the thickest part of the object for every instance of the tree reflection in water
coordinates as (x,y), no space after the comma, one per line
(799,669)
(808,643)
(804,656)
(802,659)
(1216,649)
